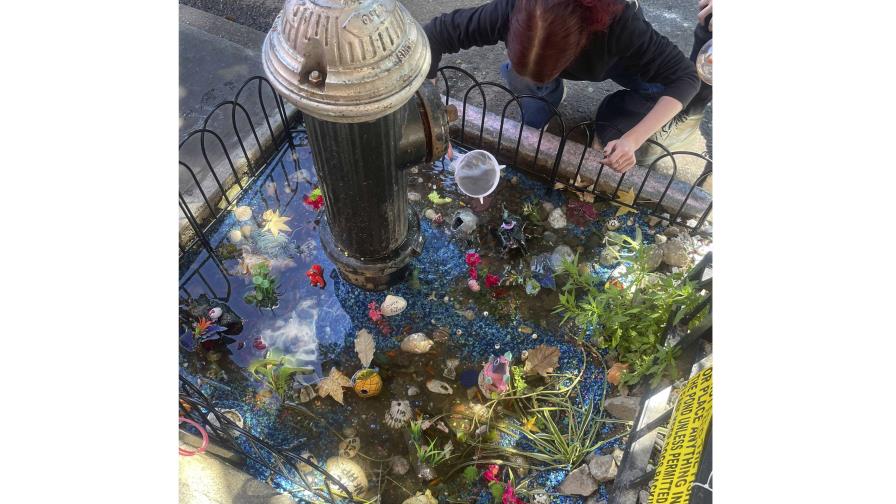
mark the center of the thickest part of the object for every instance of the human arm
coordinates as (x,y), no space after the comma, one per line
(479,26)
(620,154)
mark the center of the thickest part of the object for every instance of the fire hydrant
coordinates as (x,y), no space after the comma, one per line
(356,70)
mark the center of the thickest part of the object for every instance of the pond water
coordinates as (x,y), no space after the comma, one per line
(272,310)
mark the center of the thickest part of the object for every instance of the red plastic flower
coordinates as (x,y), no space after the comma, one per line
(374,311)
(259,344)
(492,280)
(473,259)
(474,275)
(509,496)
(491,474)
(315,200)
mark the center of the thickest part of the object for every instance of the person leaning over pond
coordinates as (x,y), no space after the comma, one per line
(584,40)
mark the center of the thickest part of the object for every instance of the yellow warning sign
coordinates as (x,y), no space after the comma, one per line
(680,460)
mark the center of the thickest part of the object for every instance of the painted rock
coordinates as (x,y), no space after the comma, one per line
(416,343)
(421,498)
(399,414)
(367,383)
(349,473)
(557,219)
(393,305)
(439,387)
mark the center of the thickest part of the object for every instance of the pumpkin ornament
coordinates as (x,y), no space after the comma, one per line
(367,381)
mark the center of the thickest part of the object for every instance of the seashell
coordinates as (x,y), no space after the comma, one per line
(441,335)
(450,365)
(349,447)
(399,414)
(421,498)
(232,415)
(399,465)
(349,473)
(247,230)
(242,213)
(307,393)
(367,383)
(235,236)
(416,343)
(215,313)
(412,391)
(439,387)
(393,305)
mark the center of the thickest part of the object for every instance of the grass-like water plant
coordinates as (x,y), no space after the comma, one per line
(628,316)
(427,453)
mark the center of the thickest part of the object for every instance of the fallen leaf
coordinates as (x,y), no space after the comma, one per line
(365,346)
(332,385)
(627,197)
(542,360)
(437,199)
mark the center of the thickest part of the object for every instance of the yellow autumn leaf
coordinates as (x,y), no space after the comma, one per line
(627,197)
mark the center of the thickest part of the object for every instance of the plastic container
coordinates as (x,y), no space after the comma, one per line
(704,63)
(477,173)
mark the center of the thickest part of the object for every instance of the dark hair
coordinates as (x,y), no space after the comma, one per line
(545,36)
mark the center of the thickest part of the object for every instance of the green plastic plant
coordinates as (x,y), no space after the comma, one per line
(276,371)
(569,425)
(629,318)
(427,453)
(265,293)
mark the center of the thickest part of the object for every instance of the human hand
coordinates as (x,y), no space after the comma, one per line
(705,7)
(619,154)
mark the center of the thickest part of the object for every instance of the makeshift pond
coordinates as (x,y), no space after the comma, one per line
(481,378)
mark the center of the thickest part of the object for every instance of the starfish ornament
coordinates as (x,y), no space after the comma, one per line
(274,222)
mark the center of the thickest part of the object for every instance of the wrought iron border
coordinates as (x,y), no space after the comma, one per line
(196,406)
(556,117)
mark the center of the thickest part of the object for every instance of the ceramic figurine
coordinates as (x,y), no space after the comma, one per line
(348,473)
(495,376)
(399,414)
(316,275)
(367,383)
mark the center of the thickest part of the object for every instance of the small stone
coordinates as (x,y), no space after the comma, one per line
(557,218)
(547,205)
(514,180)
(349,432)
(393,305)
(660,239)
(525,329)
(594,500)
(607,257)
(691,223)
(561,253)
(399,465)
(469,314)
(643,497)
(623,408)
(675,253)
(653,221)
(655,256)
(413,196)
(603,468)
(430,214)
(549,237)
(630,222)
(578,482)
(617,456)
(672,231)
(412,391)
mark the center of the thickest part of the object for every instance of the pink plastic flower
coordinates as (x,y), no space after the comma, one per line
(473,259)
(491,474)
(374,311)
(259,344)
(473,285)
(492,280)
(509,496)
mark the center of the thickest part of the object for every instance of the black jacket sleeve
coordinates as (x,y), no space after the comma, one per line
(465,28)
(651,56)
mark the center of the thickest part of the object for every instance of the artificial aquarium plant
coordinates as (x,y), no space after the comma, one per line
(427,452)
(276,371)
(628,314)
(264,293)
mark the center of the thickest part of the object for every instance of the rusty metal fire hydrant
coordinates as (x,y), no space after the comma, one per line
(356,69)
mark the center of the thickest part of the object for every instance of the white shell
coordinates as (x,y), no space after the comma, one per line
(393,305)
(439,387)
(235,235)
(348,473)
(399,414)
(416,343)
(242,213)
(412,391)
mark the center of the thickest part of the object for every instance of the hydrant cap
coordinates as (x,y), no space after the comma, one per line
(346,60)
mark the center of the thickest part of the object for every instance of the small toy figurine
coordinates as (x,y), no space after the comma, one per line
(316,275)
(511,234)
(496,375)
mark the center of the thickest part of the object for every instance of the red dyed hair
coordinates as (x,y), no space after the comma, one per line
(545,36)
